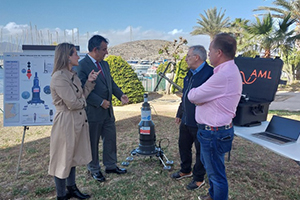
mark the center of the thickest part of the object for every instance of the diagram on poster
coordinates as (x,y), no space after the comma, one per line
(27,95)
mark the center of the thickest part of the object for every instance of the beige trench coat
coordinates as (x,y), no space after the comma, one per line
(70,140)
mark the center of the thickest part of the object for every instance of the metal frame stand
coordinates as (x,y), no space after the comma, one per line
(158,153)
(21,149)
(163,75)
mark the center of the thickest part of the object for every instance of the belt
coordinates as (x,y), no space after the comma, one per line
(211,128)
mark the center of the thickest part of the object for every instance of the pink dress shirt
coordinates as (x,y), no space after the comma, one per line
(217,99)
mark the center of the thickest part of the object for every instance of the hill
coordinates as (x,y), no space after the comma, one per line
(142,50)
(135,50)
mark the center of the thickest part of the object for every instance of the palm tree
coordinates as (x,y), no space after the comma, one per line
(212,23)
(246,45)
(283,8)
(291,64)
(286,37)
(262,32)
(276,37)
(237,26)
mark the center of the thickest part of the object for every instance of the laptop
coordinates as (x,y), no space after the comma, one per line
(280,131)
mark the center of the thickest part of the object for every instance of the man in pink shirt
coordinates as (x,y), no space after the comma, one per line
(216,100)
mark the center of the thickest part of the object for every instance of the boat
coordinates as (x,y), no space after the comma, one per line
(140,67)
(1,61)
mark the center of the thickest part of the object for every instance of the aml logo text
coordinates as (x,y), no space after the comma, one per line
(255,75)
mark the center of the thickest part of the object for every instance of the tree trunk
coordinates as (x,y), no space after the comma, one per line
(298,74)
(267,53)
(168,90)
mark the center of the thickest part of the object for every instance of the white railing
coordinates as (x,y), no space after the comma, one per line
(149,83)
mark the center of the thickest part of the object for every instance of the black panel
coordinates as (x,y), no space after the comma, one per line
(42,47)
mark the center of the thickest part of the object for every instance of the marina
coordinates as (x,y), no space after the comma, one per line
(144,67)
(145,70)
(1,80)
(1,61)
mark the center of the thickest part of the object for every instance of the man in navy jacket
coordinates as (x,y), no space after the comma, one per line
(199,72)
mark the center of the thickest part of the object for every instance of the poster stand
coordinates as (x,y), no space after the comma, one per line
(21,150)
(27,99)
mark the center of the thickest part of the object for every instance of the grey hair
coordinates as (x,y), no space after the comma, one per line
(200,51)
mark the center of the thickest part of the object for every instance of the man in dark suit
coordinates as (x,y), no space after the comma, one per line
(199,72)
(99,108)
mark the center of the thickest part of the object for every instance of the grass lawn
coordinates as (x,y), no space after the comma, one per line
(253,172)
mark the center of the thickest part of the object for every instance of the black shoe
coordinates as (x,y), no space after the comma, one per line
(180,175)
(62,198)
(74,192)
(207,197)
(195,185)
(117,170)
(98,176)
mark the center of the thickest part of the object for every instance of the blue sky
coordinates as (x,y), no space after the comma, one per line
(59,20)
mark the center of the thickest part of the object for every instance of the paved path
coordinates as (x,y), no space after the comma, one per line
(283,101)
(286,101)
(163,103)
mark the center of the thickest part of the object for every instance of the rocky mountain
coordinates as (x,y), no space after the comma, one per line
(135,50)
(143,50)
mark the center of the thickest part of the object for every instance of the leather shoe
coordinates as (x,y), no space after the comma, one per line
(117,170)
(74,192)
(207,197)
(62,198)
(98,176)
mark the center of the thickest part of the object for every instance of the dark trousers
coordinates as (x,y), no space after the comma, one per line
(107,131)
(60,184)
(188,136)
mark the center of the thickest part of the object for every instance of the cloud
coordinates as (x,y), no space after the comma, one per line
(80,37)
(13,28)
(175,31)
(203,40)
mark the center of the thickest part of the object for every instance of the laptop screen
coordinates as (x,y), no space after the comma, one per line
(284,127)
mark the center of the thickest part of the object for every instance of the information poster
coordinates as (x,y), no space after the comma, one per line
(27,96)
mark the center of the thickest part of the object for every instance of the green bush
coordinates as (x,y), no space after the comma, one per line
(162,67)
(181,70)
(127,80)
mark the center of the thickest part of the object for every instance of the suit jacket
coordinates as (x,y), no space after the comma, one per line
(186,109)
(104,89)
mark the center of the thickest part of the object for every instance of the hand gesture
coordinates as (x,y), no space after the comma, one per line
(124,99)
(93,75)
(177,120)
(105,104)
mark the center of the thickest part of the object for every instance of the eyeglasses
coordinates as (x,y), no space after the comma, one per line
(188,56)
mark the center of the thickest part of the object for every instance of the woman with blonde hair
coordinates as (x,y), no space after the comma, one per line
(69,141)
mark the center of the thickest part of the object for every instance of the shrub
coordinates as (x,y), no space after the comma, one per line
(162,67)
(127,80)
